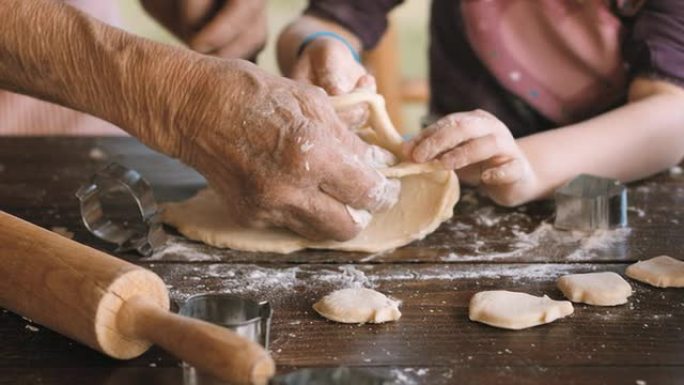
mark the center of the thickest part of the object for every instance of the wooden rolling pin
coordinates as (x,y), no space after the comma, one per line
(111,305)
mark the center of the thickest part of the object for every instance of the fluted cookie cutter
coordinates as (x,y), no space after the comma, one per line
(248,318)
(118,206)
(590,202)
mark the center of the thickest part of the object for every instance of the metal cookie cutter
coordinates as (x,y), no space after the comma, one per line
(250,319)
(332,376)
(589,202)
(118,206)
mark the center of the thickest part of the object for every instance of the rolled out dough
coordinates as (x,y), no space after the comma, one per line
(662,271)
(427,198)
(513,310)
(600,289)
(358,305)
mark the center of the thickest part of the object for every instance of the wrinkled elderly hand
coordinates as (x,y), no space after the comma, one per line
(482,151)
(224,28)
(328,63)
(277,152)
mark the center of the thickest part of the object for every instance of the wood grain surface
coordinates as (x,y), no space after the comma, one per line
(483,247)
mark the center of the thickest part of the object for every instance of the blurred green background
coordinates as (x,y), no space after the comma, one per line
(410,19)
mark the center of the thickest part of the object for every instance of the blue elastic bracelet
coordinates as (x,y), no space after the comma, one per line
(318,34)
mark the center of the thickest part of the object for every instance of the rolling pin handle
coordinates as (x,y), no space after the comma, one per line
(208,347)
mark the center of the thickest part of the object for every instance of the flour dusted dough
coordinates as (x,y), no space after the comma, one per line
(662,271)
(427,198)
(513,310)
(601,289)
(358,305)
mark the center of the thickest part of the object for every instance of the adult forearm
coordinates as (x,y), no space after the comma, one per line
(54,52)
(636,140)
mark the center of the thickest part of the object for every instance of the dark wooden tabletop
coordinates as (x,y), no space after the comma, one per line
(483,247)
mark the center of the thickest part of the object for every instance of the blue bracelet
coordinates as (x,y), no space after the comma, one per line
(335,36)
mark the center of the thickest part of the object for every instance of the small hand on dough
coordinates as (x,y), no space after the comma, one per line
(482,151)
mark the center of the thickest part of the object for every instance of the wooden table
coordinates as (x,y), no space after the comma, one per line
(482,248)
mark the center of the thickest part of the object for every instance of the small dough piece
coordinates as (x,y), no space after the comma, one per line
(513,310)
(358,305)
(662,271)
(600,289)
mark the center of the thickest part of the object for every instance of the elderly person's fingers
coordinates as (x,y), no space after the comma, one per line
(318,216)
(358,185)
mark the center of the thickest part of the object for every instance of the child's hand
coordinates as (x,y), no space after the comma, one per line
(329,64)
(482,151)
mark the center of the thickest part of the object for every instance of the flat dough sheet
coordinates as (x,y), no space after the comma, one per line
(427,199)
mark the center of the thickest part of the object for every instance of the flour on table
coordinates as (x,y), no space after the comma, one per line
(583,245)
(358,305)
(97,153)
(600,289)
(515,311)
(662,271)
(63,231)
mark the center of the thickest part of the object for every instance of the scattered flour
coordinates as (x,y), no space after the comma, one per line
(189,251)
(248,279)
(97,153)
(487,216)
(31,328)
(403,377)
(510,271)
(639,212)
(545,234)
(253,279)
(676,171)
(63,231)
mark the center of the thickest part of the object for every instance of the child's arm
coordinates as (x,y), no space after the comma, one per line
(643,137)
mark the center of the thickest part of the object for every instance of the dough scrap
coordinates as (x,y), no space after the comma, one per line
(662,271)
(358,305)
(427,198)
(600,289)
(513,310)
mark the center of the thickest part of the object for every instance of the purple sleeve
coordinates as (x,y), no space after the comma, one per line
(655,45)
(367,19)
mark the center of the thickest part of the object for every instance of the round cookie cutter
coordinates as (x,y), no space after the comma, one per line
(248,318)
